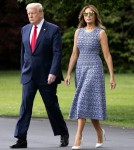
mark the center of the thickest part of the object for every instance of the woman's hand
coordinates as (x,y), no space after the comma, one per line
(67,80)
(112,84)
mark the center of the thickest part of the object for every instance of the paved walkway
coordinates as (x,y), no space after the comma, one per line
(40,136)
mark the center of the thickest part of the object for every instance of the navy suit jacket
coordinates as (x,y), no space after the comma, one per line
(46,58)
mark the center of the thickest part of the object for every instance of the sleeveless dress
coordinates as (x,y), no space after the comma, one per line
(89,99)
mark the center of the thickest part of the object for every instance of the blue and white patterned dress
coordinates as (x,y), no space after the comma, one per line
(89,100)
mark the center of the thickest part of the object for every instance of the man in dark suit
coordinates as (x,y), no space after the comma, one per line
(40,70)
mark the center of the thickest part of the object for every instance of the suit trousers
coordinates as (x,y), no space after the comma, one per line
(49,97)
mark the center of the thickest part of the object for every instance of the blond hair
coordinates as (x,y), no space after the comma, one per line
(98,21)
(38,6)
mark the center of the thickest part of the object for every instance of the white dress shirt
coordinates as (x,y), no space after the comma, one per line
(38,29)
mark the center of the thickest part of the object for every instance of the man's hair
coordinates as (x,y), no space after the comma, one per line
(35,5)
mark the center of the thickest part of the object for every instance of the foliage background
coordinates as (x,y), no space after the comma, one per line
(117,16)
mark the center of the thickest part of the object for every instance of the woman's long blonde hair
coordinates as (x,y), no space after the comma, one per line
(98,21)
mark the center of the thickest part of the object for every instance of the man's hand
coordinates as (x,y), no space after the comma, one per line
(51,78)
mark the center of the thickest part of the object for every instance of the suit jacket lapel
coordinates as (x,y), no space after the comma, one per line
(41,34)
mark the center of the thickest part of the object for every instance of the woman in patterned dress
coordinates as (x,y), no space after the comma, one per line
(89,100)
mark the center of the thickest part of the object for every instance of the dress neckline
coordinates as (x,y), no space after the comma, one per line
(90,30)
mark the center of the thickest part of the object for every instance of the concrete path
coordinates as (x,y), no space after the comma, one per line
(40,136)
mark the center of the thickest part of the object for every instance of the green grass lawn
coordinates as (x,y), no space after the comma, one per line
(120,102)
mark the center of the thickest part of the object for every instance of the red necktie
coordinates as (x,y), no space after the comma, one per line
(33,40)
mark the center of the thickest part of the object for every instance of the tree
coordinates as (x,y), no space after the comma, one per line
(120,32)
(117,16)
(12,18)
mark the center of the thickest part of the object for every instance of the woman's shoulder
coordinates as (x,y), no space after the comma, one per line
(103,34)
(100,30)
(78,30)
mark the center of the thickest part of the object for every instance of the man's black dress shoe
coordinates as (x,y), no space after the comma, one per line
(64,140)
(20,144)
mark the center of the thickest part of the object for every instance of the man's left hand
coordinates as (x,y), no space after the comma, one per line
(51,78)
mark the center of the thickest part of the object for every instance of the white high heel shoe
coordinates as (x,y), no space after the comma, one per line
(98,145)
(77,147)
